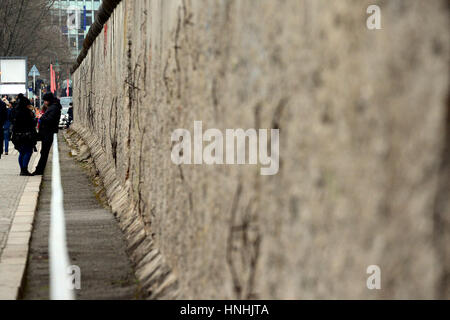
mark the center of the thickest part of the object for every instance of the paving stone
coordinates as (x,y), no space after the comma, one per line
(21,227)
(11,275)
(8,293)
(25,214)
(18,241)
(19,235)
(23,220)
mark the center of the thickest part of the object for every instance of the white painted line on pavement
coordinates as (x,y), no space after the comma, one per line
(59,257)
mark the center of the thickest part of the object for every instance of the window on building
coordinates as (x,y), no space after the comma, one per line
(89,18)
(80,41)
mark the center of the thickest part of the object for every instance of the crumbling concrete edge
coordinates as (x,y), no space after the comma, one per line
(14,258)
(156,279)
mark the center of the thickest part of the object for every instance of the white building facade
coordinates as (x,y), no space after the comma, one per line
(75,18)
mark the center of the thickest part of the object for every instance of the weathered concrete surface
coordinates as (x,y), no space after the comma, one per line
(363,124)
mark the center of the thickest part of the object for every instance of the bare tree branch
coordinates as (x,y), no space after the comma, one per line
(28,30)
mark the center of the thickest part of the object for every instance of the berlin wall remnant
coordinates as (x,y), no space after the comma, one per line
(363,176)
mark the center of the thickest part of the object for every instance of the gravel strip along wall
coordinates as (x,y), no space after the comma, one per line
(362,115)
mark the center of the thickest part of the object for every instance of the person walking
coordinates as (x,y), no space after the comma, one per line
(24,133)
(7,125)
(70,113)
(3,117)
(48,126)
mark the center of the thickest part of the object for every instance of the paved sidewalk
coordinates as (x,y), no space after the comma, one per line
(11,189)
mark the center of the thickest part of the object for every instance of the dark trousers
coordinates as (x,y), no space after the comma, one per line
(6,138)
(47,141)
(25,153)
(1,145)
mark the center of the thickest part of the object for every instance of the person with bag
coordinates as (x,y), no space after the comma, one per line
(48,126)
(24,134)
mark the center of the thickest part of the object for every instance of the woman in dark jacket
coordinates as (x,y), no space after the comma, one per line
(24,133)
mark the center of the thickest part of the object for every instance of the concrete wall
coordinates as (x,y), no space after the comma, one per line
(362,118)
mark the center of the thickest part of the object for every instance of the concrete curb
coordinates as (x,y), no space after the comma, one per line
(14,258)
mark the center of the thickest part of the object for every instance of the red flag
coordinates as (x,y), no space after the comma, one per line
(52,79)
